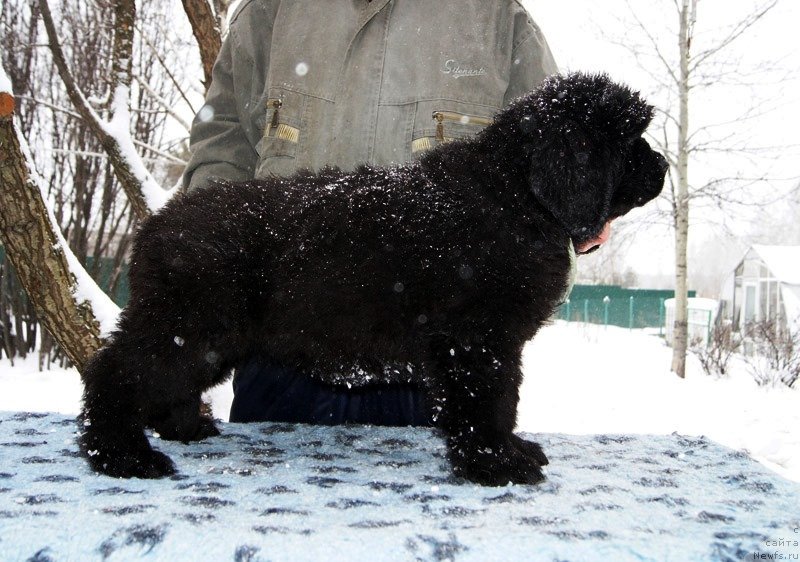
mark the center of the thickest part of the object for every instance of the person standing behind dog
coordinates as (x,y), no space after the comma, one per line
(303,84)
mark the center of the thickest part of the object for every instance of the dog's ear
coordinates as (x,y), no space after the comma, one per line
(570,178)
(581,129)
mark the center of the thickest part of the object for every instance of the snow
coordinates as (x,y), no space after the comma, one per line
(696,303)
(584,378)
(119,129)
(301,69)
(579,379)
(206,113)
(5,81)
(24,389)
(86,289)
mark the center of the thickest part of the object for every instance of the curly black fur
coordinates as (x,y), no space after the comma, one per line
(436,271)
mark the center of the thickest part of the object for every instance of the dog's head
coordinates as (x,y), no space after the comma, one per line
(581,137)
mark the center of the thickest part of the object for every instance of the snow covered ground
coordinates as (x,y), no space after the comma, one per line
(584,378)
(579,379)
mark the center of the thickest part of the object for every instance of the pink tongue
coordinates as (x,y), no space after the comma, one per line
(601,238)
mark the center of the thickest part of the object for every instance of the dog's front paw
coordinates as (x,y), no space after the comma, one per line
(206,428)
(497,464)
(185,427)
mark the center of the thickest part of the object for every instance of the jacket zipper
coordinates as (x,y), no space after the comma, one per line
(275,104)
(441,116)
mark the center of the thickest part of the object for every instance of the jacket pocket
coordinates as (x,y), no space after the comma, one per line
(439,122)
(284,121)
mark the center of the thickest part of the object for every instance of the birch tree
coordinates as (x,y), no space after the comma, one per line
(682,63)
(680,189)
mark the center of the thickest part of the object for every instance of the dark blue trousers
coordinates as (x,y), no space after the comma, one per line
(264,390)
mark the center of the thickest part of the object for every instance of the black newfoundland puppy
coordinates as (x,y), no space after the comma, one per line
(436,271)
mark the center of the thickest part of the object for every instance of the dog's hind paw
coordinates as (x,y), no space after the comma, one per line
(141,464)
(497,465)
(531,449)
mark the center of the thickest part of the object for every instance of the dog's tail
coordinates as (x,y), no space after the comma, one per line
(112,420)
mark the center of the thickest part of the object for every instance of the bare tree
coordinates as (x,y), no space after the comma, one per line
(36,248)
(134,177)
(695,61)
(715,354)
(91,148)
(608,266)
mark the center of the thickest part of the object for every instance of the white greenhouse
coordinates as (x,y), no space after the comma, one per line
(764,286)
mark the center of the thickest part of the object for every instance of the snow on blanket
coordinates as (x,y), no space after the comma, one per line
(293,492)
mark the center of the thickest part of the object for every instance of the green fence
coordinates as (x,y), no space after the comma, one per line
(103,277)
(615,305)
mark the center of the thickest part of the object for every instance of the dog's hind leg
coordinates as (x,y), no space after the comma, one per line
(475,390)
(152,373)
(112,436)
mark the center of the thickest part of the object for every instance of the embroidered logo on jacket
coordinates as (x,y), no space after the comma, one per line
(452,67)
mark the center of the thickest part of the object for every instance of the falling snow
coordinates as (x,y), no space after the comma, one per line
(206,113)
(301,69)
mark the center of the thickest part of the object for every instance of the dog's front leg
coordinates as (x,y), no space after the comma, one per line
(475,391)
(181,421)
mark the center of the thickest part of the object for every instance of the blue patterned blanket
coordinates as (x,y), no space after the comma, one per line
(282,492)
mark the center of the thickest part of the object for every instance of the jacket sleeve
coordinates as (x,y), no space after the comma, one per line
(219,146)
(531,59)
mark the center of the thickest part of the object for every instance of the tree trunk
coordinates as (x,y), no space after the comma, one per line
(35,250)
(680,338)
(207,33)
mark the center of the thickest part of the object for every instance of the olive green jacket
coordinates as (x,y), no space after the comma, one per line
(304,83)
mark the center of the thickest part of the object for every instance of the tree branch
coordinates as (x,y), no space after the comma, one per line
(163,103)
(654,43)
(114,136)
(738,30)
(44,263)
(168,72)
